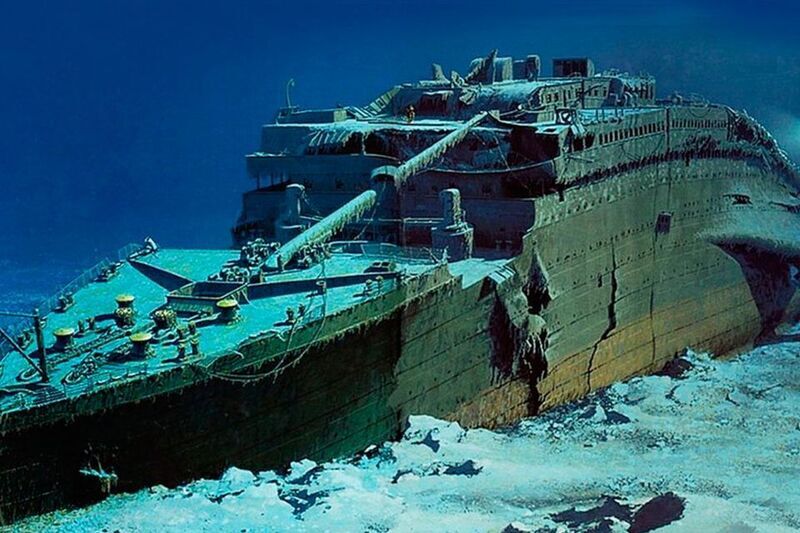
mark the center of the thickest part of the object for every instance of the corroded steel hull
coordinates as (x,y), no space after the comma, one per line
(621,301)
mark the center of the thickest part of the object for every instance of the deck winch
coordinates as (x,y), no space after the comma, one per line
(64,339)
(140,344)
(124,314)
(165,318)
(228,310)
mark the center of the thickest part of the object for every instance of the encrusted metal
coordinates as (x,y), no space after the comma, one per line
(477,248)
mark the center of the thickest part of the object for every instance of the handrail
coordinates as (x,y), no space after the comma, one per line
(73,286)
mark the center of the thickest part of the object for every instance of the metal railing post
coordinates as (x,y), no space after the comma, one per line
(37,326)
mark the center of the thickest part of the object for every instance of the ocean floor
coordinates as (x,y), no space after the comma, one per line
(714,449)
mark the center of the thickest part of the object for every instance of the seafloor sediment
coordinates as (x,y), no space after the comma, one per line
(714,449)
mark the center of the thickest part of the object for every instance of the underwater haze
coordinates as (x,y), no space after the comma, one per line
(131,118)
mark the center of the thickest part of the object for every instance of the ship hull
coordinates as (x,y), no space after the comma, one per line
(628,295)
(618,294)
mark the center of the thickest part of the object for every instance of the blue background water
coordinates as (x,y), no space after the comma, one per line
(130,118)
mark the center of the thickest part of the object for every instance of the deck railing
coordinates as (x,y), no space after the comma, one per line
(49,304)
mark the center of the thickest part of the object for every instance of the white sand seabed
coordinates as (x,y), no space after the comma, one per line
(725,437)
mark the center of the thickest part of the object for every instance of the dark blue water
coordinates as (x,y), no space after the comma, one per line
(131,118)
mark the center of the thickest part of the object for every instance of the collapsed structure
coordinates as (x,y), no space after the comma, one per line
(476,248)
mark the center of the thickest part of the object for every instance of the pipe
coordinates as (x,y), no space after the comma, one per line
(416,164)
(323,230)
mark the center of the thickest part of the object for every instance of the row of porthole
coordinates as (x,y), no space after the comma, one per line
(613,238)
(678,156)
(640,186)
(586,205)
(701,265)
(553,316)
(690,123)
(675,244)
(595,278)
(677,216)
(555,217)
(627,133)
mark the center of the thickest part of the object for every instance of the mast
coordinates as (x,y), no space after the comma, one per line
(37,326)
(41,368)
